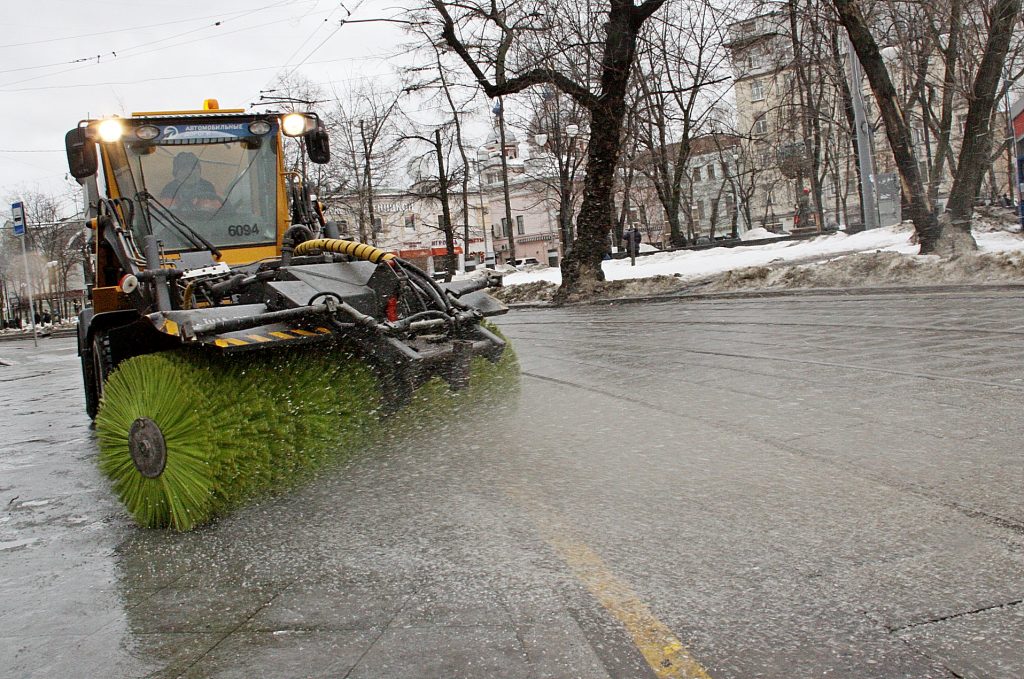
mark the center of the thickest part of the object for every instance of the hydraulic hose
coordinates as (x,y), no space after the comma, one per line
(345,247)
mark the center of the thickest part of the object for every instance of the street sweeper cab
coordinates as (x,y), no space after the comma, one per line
(204,240)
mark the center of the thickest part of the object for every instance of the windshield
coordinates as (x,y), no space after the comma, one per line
(220,183)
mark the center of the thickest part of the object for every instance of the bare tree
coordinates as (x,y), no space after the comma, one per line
(490,37)
(54,246)
(558,123)
(676,98)
(367,143)
(950,234)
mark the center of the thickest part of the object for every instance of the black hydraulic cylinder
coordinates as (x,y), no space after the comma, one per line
(152,253)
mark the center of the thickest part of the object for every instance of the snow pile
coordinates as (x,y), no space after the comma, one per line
(988,219)
(759,233)
(877,269)
(537,291)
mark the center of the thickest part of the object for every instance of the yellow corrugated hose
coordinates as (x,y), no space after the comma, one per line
(345,247)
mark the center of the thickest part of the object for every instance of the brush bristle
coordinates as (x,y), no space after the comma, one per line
(237,426)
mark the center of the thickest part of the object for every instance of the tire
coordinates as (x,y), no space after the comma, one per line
(101,362)
(92,402)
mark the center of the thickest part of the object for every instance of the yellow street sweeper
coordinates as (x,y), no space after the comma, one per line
(233,339)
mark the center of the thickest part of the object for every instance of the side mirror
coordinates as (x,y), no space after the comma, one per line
(82,161)
(318,145)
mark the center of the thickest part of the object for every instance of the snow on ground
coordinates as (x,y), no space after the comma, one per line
(699,264)
(876,258)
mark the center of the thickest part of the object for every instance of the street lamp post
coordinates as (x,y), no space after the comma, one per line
(564,163)
(482,156)
(19,226)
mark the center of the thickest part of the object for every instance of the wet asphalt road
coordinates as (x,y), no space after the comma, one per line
(784,487)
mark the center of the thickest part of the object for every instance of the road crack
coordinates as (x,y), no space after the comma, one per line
(954,616)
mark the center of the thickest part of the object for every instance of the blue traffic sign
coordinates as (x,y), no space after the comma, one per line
(18,217)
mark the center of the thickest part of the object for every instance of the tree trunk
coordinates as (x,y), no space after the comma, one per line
(369,185)
(446,210)
(897,131)
(974,152)
(581,270)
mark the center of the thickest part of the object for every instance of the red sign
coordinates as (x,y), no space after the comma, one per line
(426,252)
(440,252)
(1018,126)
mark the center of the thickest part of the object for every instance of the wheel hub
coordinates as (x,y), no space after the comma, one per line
(147,447)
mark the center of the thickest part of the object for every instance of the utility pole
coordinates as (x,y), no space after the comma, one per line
(499,111)
(865,158)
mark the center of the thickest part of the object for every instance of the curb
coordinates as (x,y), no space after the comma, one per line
(786,292)
(70,332)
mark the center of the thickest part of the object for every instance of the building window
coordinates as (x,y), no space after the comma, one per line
(520,228)
(756,90)
(698,210)
(494,231)
(504,227)
(761,125)
(711,171)
(696,174)
(440,222)
(410,222)
(378,225)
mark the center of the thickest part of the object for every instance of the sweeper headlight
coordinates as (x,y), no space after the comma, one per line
(297,124)
(147,132)
(259,127)
(110,130)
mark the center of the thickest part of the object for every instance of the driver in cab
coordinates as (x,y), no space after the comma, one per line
(188,190)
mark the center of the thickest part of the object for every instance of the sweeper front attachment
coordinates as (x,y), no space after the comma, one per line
(313,351)
(225,355)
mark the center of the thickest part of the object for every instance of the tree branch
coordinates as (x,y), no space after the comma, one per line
(503,85)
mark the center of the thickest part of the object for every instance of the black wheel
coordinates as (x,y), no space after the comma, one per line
(92,402)
(102,363)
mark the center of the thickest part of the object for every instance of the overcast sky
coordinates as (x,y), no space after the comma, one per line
(65,60)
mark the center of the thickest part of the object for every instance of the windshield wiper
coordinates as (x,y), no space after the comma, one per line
(162,214)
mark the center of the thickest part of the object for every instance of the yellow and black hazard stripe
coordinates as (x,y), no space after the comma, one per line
(253,338)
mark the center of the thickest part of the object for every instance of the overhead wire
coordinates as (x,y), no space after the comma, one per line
(348,13)
(141,28)
(86,62)
(204,75)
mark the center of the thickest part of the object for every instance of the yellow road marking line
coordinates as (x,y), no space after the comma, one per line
(282,335)
(662,650)
(304,333)
(323,331)
(259,338)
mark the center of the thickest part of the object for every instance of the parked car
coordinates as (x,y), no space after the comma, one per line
(526,261)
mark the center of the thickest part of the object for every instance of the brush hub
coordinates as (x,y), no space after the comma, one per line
(147,447)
